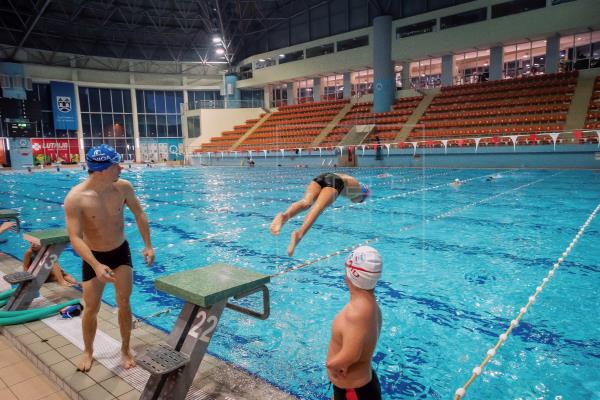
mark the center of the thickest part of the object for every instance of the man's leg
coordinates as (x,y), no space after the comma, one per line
(312,192)
(123,279)
(326,197)
(92,295)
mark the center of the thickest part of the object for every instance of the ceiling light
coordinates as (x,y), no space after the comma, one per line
(261,60)
(282,56)
(216,39)
(220,51)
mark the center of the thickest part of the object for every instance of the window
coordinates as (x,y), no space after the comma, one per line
(161,112)
(264,62)
(580,51)
(246,71)
(524,59)
(333,87)
(319,50)
(293,56)
(426,73)
(353,43)
(304,91)
(279,95)
(415,29)
(471,67)
(362,82)
(464,18)
(516,7)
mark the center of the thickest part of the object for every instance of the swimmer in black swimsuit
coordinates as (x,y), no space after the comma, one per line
(322,191)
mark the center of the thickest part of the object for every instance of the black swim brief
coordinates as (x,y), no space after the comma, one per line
(370,391)
(112,259)
(328,179)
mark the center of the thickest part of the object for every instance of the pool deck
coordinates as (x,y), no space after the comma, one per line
(38,362)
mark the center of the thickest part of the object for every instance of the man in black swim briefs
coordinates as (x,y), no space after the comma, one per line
(94,216)
(322,191)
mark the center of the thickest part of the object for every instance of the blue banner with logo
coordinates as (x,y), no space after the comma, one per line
(63,105)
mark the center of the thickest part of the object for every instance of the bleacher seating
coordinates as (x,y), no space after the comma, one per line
(517,106)
(388,124)
(293,126)
(228,138)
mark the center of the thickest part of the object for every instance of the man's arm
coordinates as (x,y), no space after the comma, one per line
(6,226)
(142,221)
(75,230)
(27,259)
(353,341)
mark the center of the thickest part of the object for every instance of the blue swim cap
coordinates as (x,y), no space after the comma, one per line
(99,158)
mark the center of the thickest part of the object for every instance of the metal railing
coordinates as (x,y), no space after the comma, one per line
(215,104)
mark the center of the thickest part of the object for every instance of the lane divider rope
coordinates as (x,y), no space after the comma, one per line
(462,391)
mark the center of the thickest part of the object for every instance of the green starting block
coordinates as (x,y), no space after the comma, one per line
(206,291)
(11,215)
(53,242)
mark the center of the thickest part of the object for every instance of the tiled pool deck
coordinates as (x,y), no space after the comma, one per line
(41,362)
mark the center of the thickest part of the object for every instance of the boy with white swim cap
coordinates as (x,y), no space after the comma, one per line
(355,330)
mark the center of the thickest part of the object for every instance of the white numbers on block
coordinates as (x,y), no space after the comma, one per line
(201,332)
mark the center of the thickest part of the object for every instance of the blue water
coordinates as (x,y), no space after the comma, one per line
(458,265)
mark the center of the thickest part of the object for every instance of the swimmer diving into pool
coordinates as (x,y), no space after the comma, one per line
(320,193)
(94,216)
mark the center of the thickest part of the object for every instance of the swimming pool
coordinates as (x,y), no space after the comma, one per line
(458,265)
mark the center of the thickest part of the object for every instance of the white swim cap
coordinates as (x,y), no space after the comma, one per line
(363,267)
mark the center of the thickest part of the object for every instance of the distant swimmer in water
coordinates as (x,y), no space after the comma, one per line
(320,193)
(384,175)
(456,183)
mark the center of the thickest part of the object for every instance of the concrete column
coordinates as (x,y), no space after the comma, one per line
(447,70)
(75,79)
(347,85)
(496,63)
(405,75)
(552,54)
(384,83)
(184,125)
(267,94)
(291,96)
(232,93)
(317,89)
(134,116)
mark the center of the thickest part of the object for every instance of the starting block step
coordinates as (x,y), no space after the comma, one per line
(161,359)
(18,277)
(47,237)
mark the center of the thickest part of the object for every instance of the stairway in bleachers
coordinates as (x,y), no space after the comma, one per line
(388,124)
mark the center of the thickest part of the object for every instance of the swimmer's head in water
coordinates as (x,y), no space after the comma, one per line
(101,157)
(363,267)
(364,193)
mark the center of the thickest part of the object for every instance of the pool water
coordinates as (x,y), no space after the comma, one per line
(458,265)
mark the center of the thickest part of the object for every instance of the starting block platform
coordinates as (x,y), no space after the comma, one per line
(206,291)
(11,215)
(52,242)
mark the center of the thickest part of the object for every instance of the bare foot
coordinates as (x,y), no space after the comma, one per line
(294,240)
(128,361)
(85,364)
(277,223)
